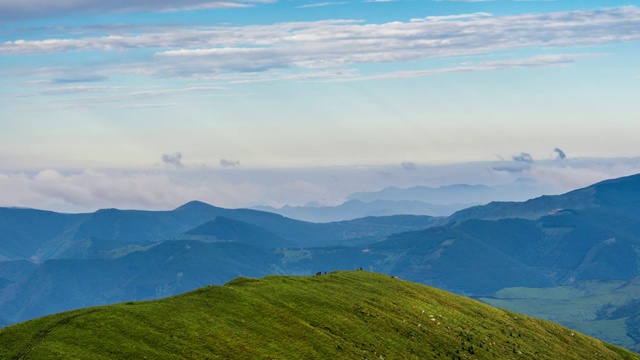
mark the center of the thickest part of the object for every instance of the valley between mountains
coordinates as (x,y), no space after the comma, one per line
(572,258)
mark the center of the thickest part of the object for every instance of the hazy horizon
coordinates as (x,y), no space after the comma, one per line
(148,105)
(85,190)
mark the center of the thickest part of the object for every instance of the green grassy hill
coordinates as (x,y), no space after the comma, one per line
(350,315)
(606,309)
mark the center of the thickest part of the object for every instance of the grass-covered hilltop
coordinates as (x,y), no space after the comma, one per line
(350,315)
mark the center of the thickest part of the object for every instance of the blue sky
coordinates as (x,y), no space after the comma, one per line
(143,89)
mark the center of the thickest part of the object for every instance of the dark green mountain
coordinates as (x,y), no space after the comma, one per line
(340,315)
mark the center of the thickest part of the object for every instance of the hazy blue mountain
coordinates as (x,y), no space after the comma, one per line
(167,268)
(622,194)
(23,231)
(519,190)
(591,234)
(221,229)
(15,270)
(482,256)
(303,233)
(94,247)
(4,283)
(116,255)
(354,209)
(40,235)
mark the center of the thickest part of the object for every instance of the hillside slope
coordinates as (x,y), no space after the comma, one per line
(353,314)
(483,256)
(621,194)
(605,309)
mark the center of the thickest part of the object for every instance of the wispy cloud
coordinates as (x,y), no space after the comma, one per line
(324,51)
(112,97)
(78,79)
(536,61)
(11,10)
(471,16)
(339,43)
(323,4)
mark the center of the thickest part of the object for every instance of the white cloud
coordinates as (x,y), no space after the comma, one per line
(323,4)
(326,44)
(11,10)
(92,189)
(536,61)
(456,17)
(336,45)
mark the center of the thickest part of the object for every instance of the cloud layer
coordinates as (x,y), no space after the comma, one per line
(338,43)
(92,189)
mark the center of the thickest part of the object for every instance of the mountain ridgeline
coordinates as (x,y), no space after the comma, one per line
(55,262)
(353,314)
(585,239)
(41,235)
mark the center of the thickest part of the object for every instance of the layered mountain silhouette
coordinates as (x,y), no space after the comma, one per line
(354,209)
(591,234)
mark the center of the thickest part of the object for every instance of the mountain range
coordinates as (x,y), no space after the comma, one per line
(354,209)
(417,200)
(55,262)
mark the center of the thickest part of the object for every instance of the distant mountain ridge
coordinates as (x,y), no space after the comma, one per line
(417,200)
(115,255)
(355,209)
(40,235)
(519,190)
(590,234)
(622,194)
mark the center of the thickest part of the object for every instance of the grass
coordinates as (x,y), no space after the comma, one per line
(350,315)
(585,307)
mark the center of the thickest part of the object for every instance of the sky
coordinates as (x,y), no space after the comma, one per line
(149,104)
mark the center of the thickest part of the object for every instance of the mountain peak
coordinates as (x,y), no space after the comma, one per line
(194,205)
